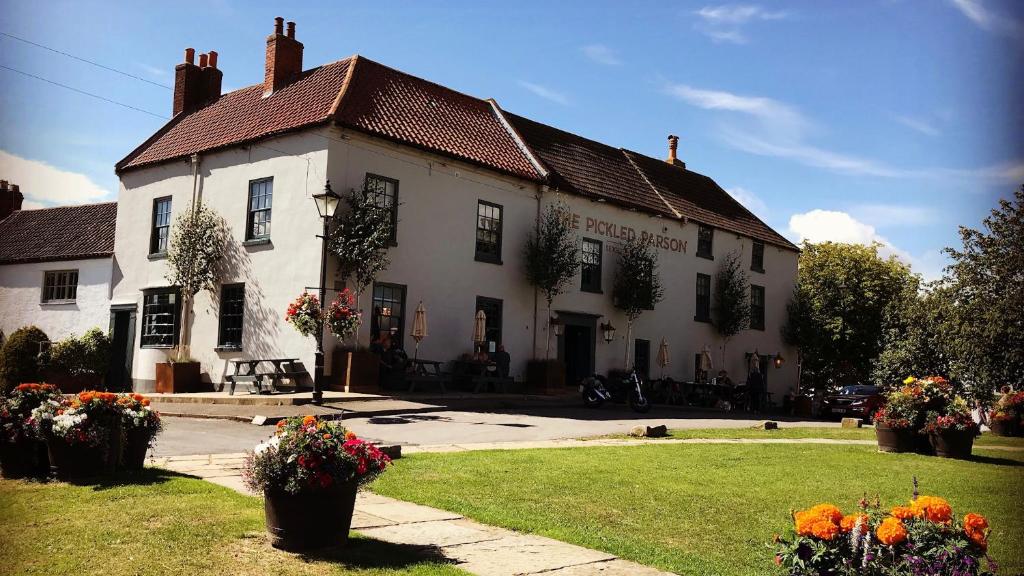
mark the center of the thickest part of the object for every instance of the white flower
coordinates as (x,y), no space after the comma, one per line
(264,446)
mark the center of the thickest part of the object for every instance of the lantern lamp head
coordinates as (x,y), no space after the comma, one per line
(557,327)
(608,331)
(327,201)
(779,360)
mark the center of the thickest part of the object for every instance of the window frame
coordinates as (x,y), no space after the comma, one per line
(702,308)
(222,343)
(710,233)
(68,285)
(594,285)
(500,305)
(757,264)
(154,228)
(757,311)
(393,238)
(250,212)
(176,316)
(487,257)
(374,321)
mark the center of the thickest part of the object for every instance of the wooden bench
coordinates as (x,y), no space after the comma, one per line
(267,381)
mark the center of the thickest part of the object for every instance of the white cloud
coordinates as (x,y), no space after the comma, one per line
(153,70)
(986,19)
(545,92)
(889,215)
(46,185)
(725,23)
(601,54)
(776,117)
(922,126)
(750,201)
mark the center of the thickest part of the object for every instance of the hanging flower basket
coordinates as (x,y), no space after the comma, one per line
(305,314)
(342,317)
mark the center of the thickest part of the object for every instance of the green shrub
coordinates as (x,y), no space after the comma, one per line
(19,357)
(88,354)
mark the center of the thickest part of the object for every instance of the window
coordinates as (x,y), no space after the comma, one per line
(756,307)
(590,268)
(384,192)
(160,312)
(60,286)
(232,308)
(705,237)
(492,330)
(488,232)
(261,196)
(703,298)
(389,312)
(757,257)
(161,225)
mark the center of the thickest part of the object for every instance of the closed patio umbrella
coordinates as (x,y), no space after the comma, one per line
(663,359)
(419,327)
(755,362)
(705,360)
(480,328)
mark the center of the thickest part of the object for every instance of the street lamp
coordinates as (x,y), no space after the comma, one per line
(557,327)
(608,331)
(326,205)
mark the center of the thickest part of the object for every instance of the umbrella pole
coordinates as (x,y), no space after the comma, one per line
(416,354)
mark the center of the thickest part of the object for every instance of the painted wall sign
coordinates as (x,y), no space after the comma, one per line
(617,231)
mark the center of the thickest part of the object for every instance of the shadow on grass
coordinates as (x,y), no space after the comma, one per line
(367,553)
(144,477)
(995,460)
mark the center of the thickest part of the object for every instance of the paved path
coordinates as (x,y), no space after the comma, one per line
(477,548)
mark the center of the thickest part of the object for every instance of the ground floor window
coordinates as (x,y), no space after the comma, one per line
(232,308)
(492,310)
(388,312)
(161,310)
(60,286)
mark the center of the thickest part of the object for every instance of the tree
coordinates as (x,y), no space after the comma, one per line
(637,286)
(361,238)
(918,339)
(194,258)
(987,285)
(552,256)
(837,314)
(20,360)
(732,299)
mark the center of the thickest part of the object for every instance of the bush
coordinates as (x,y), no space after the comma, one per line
(19,357)
(89,354)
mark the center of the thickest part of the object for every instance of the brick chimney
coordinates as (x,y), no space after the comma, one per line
(673,144)
(189,87)
(10,199)
(213,77)
(284,58)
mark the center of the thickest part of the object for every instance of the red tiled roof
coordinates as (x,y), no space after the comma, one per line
(61,233)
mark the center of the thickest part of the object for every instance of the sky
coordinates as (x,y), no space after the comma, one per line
(877,120)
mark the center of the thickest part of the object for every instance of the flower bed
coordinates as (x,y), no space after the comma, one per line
(21,454)
(926,416)
(921,538)
(309,471)
(1007,416)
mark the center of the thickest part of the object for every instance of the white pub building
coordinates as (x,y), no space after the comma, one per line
(465,181)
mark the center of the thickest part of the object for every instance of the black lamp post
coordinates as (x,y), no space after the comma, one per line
(326,204)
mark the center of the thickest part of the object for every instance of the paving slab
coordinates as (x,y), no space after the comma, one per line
(440,533)
(398,511)
(362,520)
(615,567)
(521,554)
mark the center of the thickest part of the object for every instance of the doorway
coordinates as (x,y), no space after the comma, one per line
(578,357)
(122,346)
(642,357)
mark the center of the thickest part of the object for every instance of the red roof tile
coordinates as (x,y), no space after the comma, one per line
(61,233)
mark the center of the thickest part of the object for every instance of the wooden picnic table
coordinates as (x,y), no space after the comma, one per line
(423,371)
(246,370)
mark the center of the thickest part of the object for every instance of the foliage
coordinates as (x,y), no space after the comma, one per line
(16,409)
(732,297)
(306,454)
(361,238)
(88,354)
(637,286)
(137,414)
(342,317)
(305,314)
(926,405)
(552,252)
(844,294)
(91,416)
(988,287)
(919,539)
(918,338)
(19,357)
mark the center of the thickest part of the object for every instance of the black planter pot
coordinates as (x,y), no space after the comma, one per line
(953,443)
(1004,427)
(76,461)
(136,445)
(310,520)
(23,459)
(897,439)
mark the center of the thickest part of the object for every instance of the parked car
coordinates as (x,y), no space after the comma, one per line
(858,401)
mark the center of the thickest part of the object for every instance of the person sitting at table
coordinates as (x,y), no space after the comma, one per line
(503,360)
(723,379)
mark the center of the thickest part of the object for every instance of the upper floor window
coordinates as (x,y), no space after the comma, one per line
(705,237)
(488,232)
(261,196)
(161,309)
(703,313)
(232,309)
(757,256)
(60,286)
(161,231)
(756,307)
(590,267)
(384,192)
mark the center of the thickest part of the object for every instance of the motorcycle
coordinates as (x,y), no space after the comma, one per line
(629,389)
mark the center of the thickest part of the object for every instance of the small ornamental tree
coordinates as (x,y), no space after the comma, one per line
(637,286)
(194,257)
(19,358)
(360,239)
(732,299)
(552,256)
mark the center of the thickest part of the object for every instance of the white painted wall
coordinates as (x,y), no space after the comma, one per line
(21,290)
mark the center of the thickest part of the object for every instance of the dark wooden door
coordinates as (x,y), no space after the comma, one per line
(577,354)
(122,328)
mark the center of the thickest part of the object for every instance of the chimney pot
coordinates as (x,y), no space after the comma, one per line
(213,59)
(202,60)
(673,145)
(278,25)
(190,55)
(291,29)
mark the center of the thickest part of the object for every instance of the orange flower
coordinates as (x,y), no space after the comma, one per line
(903,512)
(932,508)
(976,528)
(281,423)
(327,436)
(350,435)
(849,521)
(817,522)
(307,420)
(824,529)
(829,512)
(145,401)
(891,531)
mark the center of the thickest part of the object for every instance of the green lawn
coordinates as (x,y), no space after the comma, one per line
(168,525)
(701,509)
(833,433)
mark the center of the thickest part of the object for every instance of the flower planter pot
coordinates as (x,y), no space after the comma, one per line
(355,371)
(24,459)
(136,445)
(1004,427)
(953,443)
(897,439)
(545,376)
(74,461)
(177,377)
(309,520)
